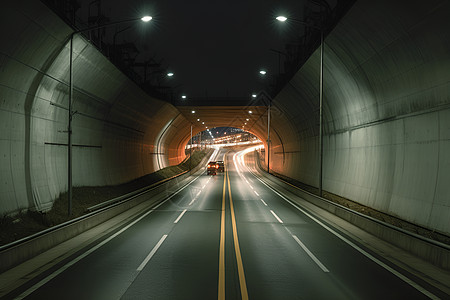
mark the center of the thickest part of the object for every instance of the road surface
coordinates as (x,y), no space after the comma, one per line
(228,236)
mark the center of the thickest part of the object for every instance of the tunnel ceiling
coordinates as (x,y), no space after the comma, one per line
(218,67)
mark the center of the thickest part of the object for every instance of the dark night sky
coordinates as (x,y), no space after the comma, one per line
(215,48)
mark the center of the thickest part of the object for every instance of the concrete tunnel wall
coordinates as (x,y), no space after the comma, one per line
(386,111)
(119,132)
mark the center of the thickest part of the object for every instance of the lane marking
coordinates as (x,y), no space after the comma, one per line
(242,283)
(180,216)
(74,261)
(263,202)
(276,217)
(77,259)
(357,248)
(221,283)
(150,255)
(311,255)
(199,192)
(256,193)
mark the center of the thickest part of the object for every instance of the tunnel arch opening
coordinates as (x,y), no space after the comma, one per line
(221,137)
(253,119)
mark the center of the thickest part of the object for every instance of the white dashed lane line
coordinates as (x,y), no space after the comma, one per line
(276,217)
(150,255)
(311,255)
(180,216)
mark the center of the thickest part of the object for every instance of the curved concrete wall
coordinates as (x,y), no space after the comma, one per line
(119,132)
(386,111)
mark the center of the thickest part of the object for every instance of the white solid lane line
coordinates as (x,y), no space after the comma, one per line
(180,216)
(150,255)
(276,217)
(77,259)
(74,261)
(354,246)
(313,257)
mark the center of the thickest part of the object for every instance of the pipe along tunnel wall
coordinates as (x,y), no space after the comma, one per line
(119,132)
(386,112)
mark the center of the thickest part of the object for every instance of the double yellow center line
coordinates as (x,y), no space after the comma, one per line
(243,285)
(222,246)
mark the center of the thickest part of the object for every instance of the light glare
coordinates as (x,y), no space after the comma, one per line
(146,19)
(281,18)
(262,72)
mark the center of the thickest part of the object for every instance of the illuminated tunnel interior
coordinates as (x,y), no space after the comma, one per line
(222,137)
(386,133)
(355,105)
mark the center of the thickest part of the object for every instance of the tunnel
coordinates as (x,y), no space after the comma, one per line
(386,113)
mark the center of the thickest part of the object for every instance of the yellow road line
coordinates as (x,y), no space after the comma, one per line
(221,295)
(242,283)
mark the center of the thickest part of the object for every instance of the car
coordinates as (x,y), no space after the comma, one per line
(221,166)
(212,168)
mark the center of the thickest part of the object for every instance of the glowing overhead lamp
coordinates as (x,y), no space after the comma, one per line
(281,18)
(70,108)
(321,29)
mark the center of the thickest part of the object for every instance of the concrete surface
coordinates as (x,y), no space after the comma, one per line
(119,132)
(386,112)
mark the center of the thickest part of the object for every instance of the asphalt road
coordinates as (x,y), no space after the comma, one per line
(227,236)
